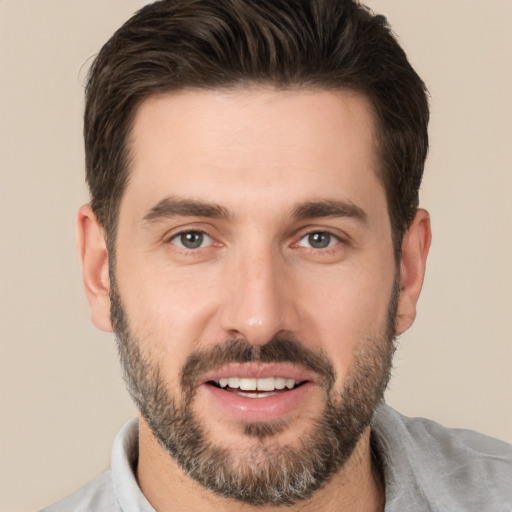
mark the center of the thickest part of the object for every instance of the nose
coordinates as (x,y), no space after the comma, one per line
(258,302)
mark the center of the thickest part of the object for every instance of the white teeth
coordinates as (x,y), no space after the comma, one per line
(280,383)
(265,384)
(248,384)
(264,394)
(289,383)
(233,382)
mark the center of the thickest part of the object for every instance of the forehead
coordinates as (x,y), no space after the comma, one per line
(245,144)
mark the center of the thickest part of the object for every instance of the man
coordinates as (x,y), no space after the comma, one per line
(254,240)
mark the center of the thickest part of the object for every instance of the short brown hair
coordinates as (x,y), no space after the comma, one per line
(325,44)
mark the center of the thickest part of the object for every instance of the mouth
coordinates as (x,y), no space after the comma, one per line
(256,388)
(259,392)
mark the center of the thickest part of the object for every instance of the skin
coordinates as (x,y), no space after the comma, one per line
(258,154)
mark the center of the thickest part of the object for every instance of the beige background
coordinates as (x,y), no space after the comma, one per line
(62,400)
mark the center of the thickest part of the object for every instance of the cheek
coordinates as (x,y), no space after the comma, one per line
(168,309)
(351,309)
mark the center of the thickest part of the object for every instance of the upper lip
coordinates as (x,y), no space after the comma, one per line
(258,371)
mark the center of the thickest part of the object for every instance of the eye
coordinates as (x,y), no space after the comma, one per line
(191,240)
(318,240)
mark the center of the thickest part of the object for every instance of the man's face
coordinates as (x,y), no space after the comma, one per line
(254,250)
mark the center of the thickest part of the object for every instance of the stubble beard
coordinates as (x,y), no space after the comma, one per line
(267,473)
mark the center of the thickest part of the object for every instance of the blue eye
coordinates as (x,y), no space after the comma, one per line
(191,240)
(318,240)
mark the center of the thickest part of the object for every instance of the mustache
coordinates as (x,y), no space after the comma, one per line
(280,349)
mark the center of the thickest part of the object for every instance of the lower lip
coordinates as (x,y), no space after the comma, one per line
(269,408)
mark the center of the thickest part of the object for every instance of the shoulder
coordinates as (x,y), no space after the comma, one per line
(451,440)
(452,469)
(97,495)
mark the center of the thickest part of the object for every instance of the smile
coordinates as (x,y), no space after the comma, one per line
(266,384)
(258,392)
(247,387)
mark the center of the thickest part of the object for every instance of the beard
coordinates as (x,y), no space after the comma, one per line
(267,473)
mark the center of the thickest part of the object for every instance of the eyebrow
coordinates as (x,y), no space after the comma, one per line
(330,208)
(176,207)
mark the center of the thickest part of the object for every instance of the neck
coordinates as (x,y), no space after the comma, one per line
(356,487)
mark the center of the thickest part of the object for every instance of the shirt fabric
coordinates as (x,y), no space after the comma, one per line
(426,467)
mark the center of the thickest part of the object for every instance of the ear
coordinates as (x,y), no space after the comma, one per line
(94,257)
(415,246)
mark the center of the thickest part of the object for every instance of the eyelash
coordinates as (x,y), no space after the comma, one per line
(181,234)
(331,238)
(330,245)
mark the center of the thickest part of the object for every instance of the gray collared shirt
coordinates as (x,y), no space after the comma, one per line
(426,468)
